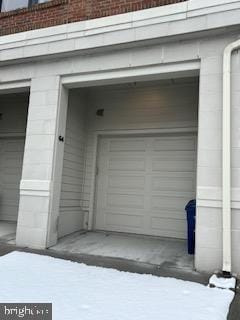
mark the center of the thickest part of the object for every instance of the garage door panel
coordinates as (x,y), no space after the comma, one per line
(176,144)
(175,174)
(10,193)
(172,184)
(172,165)
(9,211)
(13,147)
(124,145)
(144,184)
(168,214)
(126,182)
(178,225)
(123,220)
(12,163)
(129,164)
(175,228)
(172,194)
(176,154)
(169,233)
(9,204)
(169,202)
(11,179)
(14,157)
(11,160)
(12,169)
(125,201)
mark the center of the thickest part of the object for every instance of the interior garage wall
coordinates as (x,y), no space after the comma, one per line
(158,105)
(71,216)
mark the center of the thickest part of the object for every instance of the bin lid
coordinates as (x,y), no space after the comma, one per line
(191,204)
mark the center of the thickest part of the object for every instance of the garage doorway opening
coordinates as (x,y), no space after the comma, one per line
(13,121)
(130,163)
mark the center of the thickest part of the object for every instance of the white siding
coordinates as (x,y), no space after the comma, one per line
(159,105)
(139,107)
(71,214)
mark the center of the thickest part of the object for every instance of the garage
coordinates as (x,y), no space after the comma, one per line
(129,169)
(13,122)
(144,183)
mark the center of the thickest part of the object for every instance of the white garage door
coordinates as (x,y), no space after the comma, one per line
(144,184)
(11,158)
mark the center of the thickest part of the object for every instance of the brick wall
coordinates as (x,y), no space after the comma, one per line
(58,12)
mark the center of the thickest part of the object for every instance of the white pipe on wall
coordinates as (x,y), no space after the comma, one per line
(226,157)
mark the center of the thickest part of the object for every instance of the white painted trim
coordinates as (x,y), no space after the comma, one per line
(209,193)
(146,131)
(200,4)
(146,73)
(124,132)
(15,86)
(215,193)
(212,197)
(36,185)
(207,203)
(34,193)
(163,21)
(37,188)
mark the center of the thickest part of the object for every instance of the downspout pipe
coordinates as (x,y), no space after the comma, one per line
(226,159)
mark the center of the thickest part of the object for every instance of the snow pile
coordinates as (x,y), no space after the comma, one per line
(223,283)
(80,292)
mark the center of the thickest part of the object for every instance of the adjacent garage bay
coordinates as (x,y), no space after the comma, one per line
(13,121)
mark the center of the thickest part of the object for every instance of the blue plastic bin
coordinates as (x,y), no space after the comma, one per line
(191,221)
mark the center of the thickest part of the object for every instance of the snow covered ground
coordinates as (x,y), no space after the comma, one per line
(80,292)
